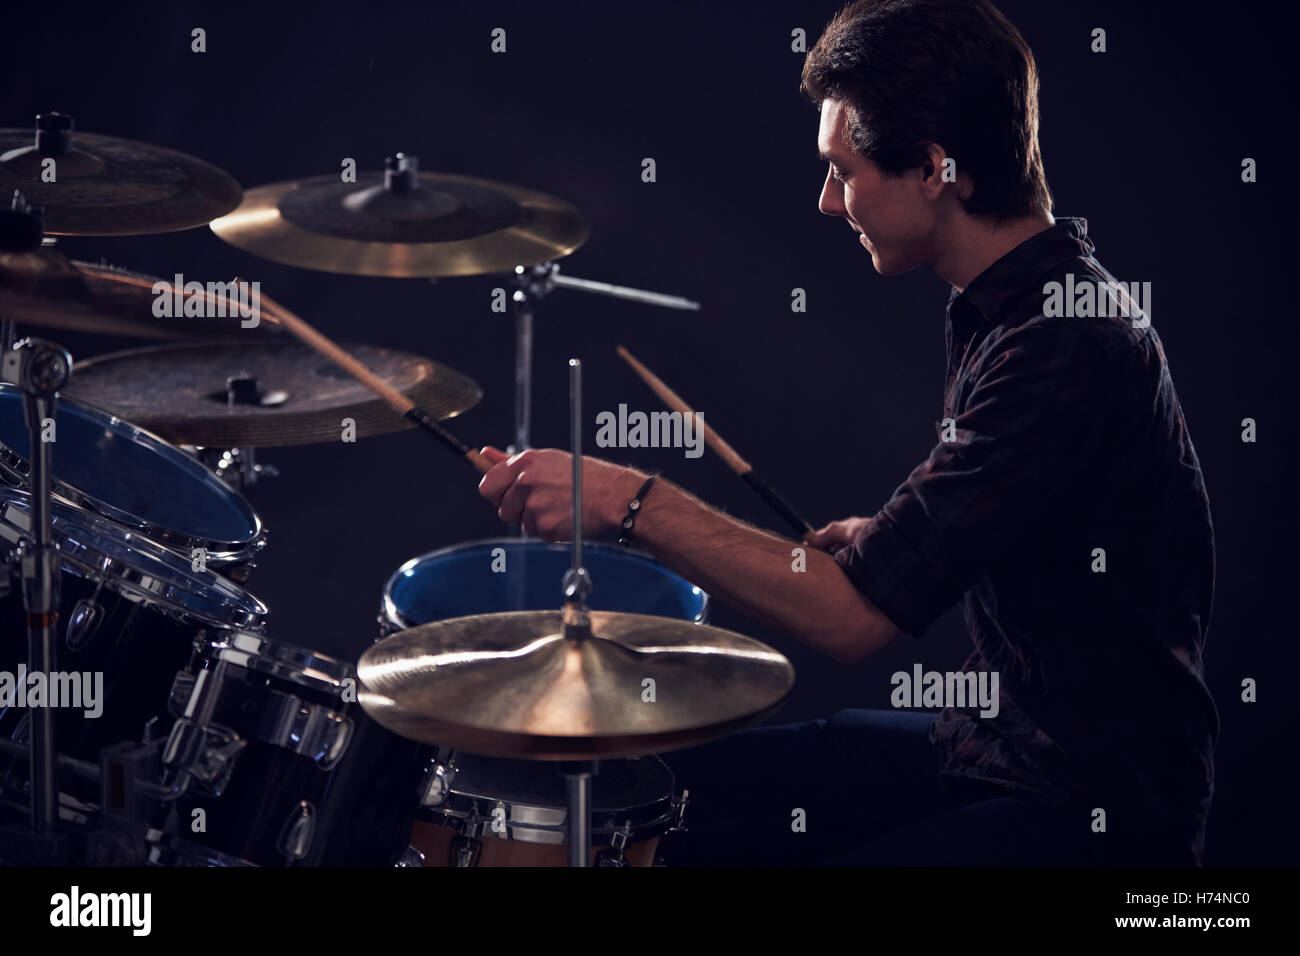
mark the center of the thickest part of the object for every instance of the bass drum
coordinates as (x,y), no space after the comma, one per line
(113,469)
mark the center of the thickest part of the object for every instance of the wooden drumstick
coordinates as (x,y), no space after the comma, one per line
(728,454)
(281,316)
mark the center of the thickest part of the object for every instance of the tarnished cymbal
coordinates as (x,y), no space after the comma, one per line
(515,685)
(403,223)
(297,397)
(43,288)
(107,186)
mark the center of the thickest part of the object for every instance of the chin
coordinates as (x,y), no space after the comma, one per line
(888,266)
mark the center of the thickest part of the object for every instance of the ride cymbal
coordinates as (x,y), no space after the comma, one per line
(403,223)
(285,393)
(521,684)
(108,186)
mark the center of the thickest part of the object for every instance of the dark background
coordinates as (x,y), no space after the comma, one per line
(834,406)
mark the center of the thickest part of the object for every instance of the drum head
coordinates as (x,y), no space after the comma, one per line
(461,580)
(133,566)
(129,475)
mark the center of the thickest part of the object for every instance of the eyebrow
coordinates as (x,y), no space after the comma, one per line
(830,158)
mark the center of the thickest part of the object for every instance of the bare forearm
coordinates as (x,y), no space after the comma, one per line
(796,588)
(799,589)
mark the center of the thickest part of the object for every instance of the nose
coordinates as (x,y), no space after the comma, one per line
(832,198)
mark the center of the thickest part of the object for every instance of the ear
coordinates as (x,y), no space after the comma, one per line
(937,171)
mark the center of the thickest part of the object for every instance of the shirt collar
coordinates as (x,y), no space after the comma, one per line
(1006,279)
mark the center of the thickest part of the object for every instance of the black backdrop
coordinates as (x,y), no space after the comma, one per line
(835,405)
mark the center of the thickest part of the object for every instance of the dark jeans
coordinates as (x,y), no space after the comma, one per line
(867,781)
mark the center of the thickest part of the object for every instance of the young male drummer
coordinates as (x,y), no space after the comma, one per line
(1063,506)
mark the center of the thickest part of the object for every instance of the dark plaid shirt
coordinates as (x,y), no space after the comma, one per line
(1069,437)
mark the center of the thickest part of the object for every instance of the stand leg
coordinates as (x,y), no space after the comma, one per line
(40,369)
(577,778)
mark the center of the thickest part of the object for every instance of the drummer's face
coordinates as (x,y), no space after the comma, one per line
(893,220)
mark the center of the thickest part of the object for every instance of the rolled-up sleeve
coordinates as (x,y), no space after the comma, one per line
(1035,416)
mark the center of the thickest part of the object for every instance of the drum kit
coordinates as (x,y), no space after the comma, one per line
(512,706)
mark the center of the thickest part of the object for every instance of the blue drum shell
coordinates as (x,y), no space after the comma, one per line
(460,581)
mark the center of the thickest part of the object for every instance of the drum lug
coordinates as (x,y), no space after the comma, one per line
(83,622)
(207,754)
(410,857)
(308,729)
(298,831)
(464,851)
(613,855)
(437,784)
(679,823)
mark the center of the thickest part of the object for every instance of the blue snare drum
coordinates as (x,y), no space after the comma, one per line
(113,469)
(461,580)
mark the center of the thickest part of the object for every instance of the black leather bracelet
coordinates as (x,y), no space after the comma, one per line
(633,506)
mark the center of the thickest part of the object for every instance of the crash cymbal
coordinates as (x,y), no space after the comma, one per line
(107,186)
(403,223)
(296,397)
(43,288)
(516,685)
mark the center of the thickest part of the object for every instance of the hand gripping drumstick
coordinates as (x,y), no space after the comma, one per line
(281,316)
(728,454)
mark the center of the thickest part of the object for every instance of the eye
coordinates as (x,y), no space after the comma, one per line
(838,176)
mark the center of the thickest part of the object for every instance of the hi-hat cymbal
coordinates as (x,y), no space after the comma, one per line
(45,289)
(107,186)
(291,394)
(516,685)
(403,223)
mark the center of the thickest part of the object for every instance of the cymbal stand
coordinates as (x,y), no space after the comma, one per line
(534,283)
(40,368)
(577,627)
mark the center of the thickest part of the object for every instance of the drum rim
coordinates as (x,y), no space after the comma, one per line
(232,607)
(545,824)
(16,468)
(394,617)
(256,651)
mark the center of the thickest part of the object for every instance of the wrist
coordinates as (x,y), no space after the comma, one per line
(623,488)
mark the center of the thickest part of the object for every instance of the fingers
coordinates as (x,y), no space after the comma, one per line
(503,474)
(532,489)
(837,534)
(513,502)
(822,539)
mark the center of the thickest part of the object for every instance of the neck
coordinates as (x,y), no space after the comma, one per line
(972,245)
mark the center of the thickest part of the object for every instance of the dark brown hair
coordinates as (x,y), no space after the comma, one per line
(952,72)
